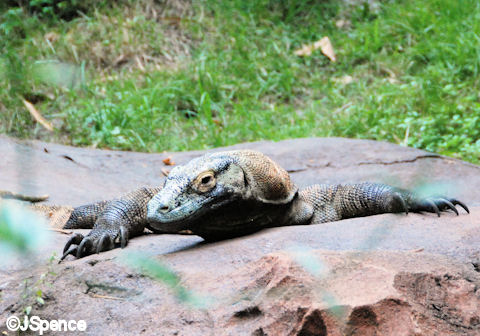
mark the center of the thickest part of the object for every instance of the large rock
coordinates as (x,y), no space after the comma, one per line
(379,275)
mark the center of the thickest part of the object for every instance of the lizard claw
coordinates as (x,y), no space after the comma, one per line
(446,204)
(104,240)
(397,197)
(433,206)
(457,202)
(95,242)
(75,239)
(86,245)
(123,237)
(72,250)
(438,205)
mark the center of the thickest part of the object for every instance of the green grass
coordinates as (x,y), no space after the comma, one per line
(225,72)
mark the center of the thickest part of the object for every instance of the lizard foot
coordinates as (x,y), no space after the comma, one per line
(437,205)
(95,242)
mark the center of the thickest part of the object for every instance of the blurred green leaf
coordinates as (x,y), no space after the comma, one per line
(58,74)
(21,230)
(163,274)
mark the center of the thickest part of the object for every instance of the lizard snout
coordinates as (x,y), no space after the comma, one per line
(164,208)
(158,207)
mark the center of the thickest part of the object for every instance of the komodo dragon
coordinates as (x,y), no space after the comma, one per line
(228,194)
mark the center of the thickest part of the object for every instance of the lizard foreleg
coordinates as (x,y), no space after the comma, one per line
(335,202)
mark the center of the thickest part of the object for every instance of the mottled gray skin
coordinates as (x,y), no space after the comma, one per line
(229,194)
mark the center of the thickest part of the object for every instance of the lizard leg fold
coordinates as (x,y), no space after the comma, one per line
(85,216)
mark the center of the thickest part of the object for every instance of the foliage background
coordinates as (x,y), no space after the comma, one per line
(178,75)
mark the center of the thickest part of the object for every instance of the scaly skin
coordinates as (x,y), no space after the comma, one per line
(229,194)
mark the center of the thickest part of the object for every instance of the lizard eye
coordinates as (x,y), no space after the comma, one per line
(205,181)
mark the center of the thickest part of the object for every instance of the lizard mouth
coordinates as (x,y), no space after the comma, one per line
(184,216)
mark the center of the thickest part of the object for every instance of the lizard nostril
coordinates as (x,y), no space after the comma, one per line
(164,208)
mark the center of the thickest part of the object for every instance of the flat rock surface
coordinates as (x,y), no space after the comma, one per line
(385,275)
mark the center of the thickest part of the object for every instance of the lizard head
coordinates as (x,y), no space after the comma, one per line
(215,180)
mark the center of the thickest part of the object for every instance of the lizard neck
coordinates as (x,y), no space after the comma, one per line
(240,218)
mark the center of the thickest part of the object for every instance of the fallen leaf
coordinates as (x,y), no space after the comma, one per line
(98,296)
(51,37)
(139,63)
(217,122)
(392,80)
(59,230)
(326,47)
(305,50)
(174,20)
(344,80)
(343,23)
(323,44)
(37,116)
(120,60)
(28,198)
(168,161)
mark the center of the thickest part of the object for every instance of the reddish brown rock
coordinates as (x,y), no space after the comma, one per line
(379,275)
(371,293)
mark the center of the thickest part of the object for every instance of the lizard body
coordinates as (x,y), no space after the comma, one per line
(228,194)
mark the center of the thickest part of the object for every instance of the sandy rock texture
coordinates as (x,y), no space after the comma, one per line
(379,275)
